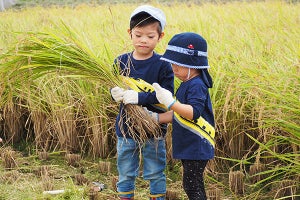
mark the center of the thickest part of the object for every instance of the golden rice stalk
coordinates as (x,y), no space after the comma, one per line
(9,157)
(286,188)
(44,170)
(104,167)
(236,182)
(93,195)
(255,171)
(173,195)
(47,182)
(68,54)
(40,126)
(10,177)
(13,115)
(80,179)
(140,124)
(73,159)
(114,181)
(43,155)
(214,192)
(169,150)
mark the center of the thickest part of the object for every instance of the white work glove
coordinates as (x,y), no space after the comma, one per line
(163,96)
(130,97)
(154,115)
(117,94)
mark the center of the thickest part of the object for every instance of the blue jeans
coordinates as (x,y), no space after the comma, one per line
(153,153)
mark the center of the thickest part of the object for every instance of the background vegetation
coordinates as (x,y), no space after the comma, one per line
(58,127)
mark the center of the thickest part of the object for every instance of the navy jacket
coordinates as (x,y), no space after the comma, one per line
(151,70)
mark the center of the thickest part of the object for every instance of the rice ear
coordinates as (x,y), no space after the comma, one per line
(140,124)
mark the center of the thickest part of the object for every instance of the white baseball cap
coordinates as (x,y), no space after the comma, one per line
(154,12)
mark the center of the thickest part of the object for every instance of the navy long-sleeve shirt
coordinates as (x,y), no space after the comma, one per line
(151,70)
(186,144)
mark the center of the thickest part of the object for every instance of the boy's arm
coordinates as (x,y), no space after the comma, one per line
(166,117)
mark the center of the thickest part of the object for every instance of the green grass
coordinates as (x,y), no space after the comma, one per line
(26,182)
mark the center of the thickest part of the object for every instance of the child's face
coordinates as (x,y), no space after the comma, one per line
(145,39)
(184,73)
(180,72)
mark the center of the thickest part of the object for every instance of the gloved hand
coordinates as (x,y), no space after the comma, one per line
(163,96)
(117,94)
(130,97)
(154,115)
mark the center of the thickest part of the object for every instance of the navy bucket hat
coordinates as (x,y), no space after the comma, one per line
(187,50)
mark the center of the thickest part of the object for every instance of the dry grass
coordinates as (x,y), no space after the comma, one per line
(173,194)
(104,167)
(10,177)
(214,192)
(73,159)
(237,182)
(287,188)
(255,172)
(43,155)
(80,179)
(140,124)
(9,158)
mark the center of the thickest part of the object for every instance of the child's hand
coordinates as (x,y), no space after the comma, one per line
(163,96)
(117,94)
(1,140)
(154,115)
(130,97)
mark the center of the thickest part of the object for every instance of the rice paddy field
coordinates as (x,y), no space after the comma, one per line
(57,117)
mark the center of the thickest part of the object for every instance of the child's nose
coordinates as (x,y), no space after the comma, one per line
(144,39)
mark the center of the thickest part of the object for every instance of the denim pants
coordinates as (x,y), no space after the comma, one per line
(153,155)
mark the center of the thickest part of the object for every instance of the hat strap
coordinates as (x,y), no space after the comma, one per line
(189,74)
(186,51)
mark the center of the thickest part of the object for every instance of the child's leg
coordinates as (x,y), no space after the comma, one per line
(128,166)
(193,182)
(154,155)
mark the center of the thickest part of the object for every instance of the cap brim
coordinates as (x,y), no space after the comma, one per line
(184,60)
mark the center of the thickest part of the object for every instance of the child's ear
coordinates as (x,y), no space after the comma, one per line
(161,36)
(129,32)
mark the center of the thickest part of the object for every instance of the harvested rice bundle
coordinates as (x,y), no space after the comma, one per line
(67,55)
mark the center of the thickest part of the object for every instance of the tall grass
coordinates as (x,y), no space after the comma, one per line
(254,58)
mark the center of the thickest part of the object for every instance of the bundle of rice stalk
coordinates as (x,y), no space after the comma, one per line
(104,167)
(286,188)
(236,182)
(214,192)
(81,179)
(9,157)
(172,194)
(66,54)
(73,159)
(10,177)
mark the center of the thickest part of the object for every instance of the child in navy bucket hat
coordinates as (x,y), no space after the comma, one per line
(191,111)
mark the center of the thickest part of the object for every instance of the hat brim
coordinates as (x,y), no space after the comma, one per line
(189,61)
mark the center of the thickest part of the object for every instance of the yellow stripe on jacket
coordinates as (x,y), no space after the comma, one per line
(201,127)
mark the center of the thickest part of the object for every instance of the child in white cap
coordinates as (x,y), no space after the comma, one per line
(146,30)
(191,112)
